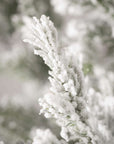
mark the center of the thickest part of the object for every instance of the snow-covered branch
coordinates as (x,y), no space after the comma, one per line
(66,100)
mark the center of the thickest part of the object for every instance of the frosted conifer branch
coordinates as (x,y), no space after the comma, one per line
(66,101)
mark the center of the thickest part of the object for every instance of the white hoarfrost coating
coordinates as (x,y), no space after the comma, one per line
(66,100)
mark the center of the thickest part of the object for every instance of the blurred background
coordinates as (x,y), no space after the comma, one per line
(86,30)
(23,76)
